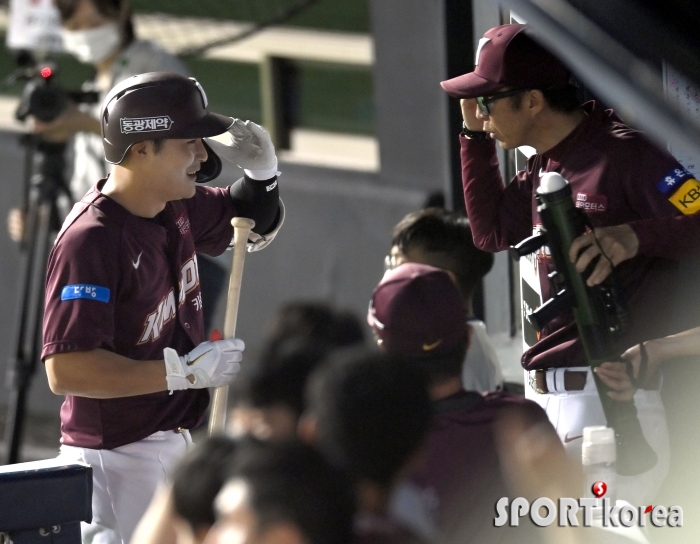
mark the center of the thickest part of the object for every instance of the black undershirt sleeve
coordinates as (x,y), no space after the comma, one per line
(257,200)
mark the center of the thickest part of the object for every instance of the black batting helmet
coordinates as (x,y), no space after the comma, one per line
(160,105)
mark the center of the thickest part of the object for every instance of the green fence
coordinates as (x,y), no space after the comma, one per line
(327,97)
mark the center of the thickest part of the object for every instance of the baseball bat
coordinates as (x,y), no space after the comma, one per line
(241,230)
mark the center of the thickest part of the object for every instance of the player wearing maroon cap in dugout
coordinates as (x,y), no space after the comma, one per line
(123,327)
(416,311)
(635,195)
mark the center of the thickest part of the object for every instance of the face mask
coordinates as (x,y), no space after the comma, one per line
(93,45)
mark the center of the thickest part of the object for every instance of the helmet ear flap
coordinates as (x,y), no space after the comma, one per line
(211,168)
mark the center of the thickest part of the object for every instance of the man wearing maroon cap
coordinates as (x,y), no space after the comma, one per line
(416,311)
(639,199)
(123,326)
(444,239)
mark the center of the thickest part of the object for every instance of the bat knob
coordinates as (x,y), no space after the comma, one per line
(242,223)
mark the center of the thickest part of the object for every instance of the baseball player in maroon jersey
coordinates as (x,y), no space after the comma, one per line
(123,329)
(639,199)
(417,311)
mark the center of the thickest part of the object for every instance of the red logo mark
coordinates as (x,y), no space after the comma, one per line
(599,489)
(649,508)
(568,438)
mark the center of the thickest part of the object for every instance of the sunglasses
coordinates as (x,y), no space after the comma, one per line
(484,102)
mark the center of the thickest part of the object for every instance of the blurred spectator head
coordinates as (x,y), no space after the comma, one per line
(370,412)
(269,392)
(196,481)
(317,322)
(283,493)
(88,14)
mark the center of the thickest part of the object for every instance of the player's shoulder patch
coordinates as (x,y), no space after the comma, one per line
(85,291)
(673,180)
(682,190)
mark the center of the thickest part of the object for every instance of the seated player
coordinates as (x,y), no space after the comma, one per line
(370,413)
(283,493)
(182,511)
(318,322)
(269,392)
(416,312)
(444,239)
(268,396)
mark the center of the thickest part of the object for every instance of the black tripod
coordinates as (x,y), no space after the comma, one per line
(44,182)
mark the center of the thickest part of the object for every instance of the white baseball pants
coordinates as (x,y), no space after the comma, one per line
(571,411)
(124,480)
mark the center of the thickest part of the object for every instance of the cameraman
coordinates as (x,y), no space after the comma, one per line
(100,33)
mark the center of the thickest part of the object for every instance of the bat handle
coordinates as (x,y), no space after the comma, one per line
(241,230)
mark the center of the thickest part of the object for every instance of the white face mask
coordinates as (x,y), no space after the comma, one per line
(93,45)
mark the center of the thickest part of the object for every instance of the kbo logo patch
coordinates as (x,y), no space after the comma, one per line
(687,198)
(681,189)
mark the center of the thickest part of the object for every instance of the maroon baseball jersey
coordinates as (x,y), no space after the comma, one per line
(617,176)
(460,479)
(130,285)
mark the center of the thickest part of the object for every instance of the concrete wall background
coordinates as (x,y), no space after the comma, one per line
(410,107)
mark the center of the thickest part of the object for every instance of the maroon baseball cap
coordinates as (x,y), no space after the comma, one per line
(417,309)
(508,57)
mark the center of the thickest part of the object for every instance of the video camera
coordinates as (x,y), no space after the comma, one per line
(42,97)
(33,32)
(599,312)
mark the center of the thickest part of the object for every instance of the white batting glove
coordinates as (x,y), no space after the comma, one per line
(212,364)
(249,146)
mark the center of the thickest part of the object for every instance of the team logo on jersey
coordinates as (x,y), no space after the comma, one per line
(130,125)
(164,313)
(167,309)
(592,203)
(182,224)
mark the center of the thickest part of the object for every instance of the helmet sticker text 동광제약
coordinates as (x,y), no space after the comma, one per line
(129,125)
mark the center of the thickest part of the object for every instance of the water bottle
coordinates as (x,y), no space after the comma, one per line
(598,455)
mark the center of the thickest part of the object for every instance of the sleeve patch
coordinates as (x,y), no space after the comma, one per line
(83,290)
(671,182)
(687,197)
